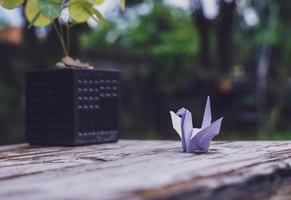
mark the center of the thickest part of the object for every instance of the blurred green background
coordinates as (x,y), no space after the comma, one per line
(172,54)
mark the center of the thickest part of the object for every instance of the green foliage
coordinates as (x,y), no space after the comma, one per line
(79,10)
(165,39)
(122,4)
(285,135)
(98,17)
(50,8)
(43,12)
(34,15)
(9,4)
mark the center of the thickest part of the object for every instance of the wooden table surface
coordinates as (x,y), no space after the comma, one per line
(132,169)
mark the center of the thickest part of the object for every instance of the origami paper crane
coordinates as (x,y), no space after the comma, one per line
(195,139)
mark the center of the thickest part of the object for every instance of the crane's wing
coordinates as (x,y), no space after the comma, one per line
(202,139)
(207,114)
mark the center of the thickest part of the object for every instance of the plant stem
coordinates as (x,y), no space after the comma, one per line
(68,37)
(61,30)
(61,38)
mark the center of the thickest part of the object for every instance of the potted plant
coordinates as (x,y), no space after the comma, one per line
(73,103)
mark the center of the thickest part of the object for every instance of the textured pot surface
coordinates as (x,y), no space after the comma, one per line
(72,106)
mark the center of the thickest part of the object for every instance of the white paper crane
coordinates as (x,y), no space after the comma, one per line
(195,139)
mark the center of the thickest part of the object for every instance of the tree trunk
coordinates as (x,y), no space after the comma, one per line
(224,33)
(203,31)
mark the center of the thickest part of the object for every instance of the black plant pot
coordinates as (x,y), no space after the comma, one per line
(72,106)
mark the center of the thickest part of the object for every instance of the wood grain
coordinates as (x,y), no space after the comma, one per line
(133,169)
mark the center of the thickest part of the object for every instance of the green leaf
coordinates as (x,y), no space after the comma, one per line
(78,10)
(81,10)
(122,4)
(95,2)
(100,19)
(50,8)
(33,14)
(99,1)
(10,4)
(34,19)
